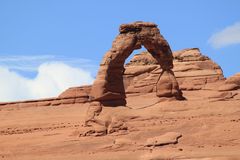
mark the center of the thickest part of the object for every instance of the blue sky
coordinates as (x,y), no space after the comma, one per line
(77,33)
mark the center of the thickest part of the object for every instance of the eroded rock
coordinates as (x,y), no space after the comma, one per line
(193,71)
(109,86)
(94,109)
(228,87)
(73,92)
(235,79)
(165,139)
(222,96)
(96,125)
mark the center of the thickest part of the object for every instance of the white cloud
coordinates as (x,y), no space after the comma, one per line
(228,36)
(52,78)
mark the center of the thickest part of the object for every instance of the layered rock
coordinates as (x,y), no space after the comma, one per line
(80,94)
(44,102)
(231,83)
(192,70)
(235,79)
(70,96)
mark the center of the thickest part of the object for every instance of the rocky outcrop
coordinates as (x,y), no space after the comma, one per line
(80,94)
(41,102)
(231,83)
(228,87)
(108,88)
(70,96)
(192,70)
(235,79)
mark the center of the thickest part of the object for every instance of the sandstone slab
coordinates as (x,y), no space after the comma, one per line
(165,139)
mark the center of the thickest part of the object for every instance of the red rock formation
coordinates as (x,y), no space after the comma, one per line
(231,83)
(192,70)
(109,87)
(80,94)
(235,79)
(70,96)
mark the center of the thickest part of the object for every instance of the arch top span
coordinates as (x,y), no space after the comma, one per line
(136,26)
(108,88)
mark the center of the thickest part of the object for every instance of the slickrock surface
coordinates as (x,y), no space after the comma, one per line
(205,126)
(209,128)
(167,138)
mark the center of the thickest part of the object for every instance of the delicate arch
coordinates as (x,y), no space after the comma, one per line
(108,88)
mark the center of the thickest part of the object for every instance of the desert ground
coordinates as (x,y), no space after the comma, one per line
(209,129)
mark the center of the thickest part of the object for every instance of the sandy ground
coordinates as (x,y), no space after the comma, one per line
(210,130)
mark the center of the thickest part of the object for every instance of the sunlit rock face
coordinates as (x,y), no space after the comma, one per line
(192,70)
(109,86)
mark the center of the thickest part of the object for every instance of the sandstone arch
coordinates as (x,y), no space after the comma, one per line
(108,88)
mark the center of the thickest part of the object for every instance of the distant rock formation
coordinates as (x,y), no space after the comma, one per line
(70,96)
(81,93)
(108,88)
(192,70)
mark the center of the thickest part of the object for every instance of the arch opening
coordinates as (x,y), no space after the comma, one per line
(135,52)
